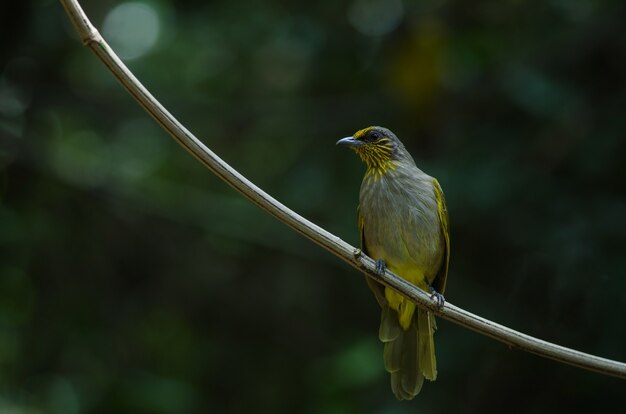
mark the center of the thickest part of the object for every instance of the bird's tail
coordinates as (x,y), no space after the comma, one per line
(409,355)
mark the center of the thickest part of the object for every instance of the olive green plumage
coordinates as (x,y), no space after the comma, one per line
(404,226)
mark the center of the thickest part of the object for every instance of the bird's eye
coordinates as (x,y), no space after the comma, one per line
(374,136)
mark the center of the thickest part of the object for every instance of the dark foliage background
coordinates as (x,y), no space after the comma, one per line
(133,281)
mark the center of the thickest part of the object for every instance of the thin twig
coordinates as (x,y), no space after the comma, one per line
(92,39)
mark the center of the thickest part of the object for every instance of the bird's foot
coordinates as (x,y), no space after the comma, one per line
(436,296)
(380,266)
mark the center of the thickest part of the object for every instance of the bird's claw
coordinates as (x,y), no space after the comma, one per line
(437,297)
(380,266)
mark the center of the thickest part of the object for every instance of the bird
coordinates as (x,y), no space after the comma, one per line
(403,223)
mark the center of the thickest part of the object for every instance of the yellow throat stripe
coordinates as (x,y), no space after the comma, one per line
(377,158)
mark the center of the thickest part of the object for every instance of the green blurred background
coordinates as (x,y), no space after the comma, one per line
(134,281)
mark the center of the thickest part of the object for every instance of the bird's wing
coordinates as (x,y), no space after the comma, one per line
(377,288)
(440,280)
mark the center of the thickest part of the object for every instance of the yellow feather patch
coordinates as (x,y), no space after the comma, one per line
(440,280)
(359,134)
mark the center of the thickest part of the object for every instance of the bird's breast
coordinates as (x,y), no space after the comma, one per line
(401,223)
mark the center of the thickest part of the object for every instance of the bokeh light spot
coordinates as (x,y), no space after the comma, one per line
(375,17)
(132,29)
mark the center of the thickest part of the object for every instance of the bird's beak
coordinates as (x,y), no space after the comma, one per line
(349,142)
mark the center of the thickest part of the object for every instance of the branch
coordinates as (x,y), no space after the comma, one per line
(353,256)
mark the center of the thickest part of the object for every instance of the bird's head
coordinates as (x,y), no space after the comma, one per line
(378,147)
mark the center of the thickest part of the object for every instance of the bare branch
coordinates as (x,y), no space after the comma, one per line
(92,39)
